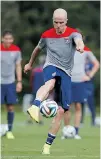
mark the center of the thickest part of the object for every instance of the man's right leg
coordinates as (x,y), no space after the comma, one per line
(41,95)
(62,95)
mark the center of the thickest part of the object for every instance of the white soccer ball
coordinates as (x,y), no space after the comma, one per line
(68,131)
(48,108)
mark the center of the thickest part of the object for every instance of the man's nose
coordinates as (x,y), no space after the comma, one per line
(58,24)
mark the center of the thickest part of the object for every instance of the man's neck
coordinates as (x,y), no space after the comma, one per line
(6,46)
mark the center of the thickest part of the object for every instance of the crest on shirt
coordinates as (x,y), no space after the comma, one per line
(67,40)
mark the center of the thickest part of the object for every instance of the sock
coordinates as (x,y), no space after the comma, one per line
(10,118)
(77,129)
(37,102)
(50,139)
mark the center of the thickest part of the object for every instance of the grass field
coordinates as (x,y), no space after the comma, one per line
(30,139)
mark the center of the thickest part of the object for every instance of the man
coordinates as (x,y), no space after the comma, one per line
(60,43)
(90,90)
(79,85)
(10,63)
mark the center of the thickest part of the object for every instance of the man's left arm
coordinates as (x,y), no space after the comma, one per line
(78,41)
(79,44)
(19,73)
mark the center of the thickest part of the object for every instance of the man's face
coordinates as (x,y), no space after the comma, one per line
(59,24)
(7,39)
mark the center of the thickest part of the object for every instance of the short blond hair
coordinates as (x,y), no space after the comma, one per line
(60,13)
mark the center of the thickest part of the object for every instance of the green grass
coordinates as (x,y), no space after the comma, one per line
(30,139)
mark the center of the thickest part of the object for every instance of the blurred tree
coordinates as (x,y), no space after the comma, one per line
(28,19)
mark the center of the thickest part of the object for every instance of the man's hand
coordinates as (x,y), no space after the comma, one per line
(79,45)
(27,68)
(86,78)
(80,48)
(18,87)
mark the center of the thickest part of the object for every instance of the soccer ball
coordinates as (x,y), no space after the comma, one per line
(68,131)
(48,108)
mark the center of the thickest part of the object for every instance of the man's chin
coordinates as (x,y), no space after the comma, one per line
(7,45)
(59,32)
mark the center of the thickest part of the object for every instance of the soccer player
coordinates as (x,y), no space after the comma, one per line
(10,63)
(60,43)
(79,85)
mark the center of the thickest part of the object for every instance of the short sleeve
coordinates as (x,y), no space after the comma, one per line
(18,57)
(42,42)
(76,35)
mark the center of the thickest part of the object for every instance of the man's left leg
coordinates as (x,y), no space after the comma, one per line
(66,97)
(53,130)
(57,119)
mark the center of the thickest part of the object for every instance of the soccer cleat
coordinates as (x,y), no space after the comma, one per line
(46,149)
(10,135)
(33,111)
(77,137)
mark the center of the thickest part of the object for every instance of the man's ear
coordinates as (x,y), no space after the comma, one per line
(66,21)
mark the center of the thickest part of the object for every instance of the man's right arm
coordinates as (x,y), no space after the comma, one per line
(35,52)
(34,55)
(41,45)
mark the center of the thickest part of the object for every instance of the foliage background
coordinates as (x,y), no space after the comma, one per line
(28,19)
